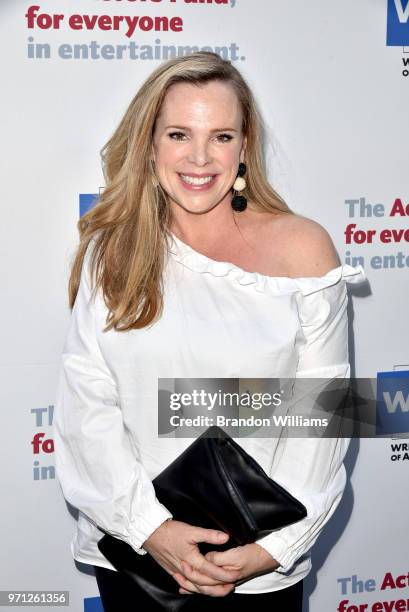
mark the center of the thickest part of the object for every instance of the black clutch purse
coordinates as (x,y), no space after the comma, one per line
(214,484)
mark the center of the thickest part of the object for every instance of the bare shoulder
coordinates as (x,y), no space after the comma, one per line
(305,246)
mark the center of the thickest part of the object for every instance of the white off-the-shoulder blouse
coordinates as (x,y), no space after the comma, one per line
(219,321)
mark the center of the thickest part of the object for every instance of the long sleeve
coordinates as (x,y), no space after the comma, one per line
(312,469)
(97,465)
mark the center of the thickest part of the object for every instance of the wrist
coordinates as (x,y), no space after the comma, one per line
(158,533)
(267,561)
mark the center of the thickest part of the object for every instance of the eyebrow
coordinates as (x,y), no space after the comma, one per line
(180,127)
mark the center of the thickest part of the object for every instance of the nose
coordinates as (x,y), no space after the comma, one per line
(199,153)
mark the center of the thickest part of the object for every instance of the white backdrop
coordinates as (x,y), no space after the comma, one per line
(334,97)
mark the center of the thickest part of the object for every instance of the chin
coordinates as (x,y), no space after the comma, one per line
(198,207)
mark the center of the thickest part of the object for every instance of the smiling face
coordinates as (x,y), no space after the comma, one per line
(198,144)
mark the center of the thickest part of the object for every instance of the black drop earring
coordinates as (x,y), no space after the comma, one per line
(239,202)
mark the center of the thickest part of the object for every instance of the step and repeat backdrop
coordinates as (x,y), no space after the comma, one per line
(332,83)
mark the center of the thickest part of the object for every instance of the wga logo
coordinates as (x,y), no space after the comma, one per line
(398,23)
(392,402)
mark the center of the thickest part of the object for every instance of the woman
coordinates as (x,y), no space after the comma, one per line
(193,282)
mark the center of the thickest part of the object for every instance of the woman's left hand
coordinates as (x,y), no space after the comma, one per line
(250,560)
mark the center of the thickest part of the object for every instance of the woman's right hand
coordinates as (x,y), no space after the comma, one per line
(175,543)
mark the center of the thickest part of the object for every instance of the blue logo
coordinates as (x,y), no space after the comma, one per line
(87,201)
(392,402)
(93,604)
(398,23)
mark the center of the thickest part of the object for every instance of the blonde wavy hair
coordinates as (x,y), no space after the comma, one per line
(131,219)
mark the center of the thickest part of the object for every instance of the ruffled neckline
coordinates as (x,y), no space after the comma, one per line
(198,262)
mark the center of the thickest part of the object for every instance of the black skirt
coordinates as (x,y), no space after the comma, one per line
(121,594)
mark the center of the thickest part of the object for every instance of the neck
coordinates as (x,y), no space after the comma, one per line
(204,228)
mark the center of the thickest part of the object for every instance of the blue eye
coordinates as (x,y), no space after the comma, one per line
(176,135)
(228,137)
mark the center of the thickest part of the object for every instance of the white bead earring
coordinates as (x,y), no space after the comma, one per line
(239,202)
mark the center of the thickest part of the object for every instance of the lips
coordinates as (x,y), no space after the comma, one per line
(195,175)
(197,182)
(193,179)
